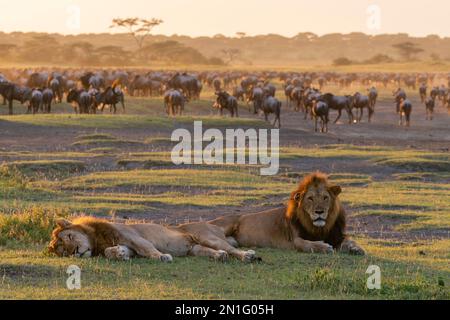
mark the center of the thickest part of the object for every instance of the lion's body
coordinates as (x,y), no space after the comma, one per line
(87,237)
(313,221)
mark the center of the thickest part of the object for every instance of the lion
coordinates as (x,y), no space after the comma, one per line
(87,237)
(313,221)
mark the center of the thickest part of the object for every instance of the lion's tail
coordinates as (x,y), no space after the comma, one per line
(228,223)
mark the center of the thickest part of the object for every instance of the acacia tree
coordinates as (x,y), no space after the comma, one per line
(231,54)
(137,27)
(407,50)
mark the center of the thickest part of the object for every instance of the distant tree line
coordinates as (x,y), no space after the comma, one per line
(45,49)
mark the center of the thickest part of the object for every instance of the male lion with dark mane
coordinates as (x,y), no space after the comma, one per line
(314,221)
(87,236)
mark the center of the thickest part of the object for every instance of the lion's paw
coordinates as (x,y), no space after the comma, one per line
(221,255)
(321,247)
(249,256)
(356,250)
(118,252)
(166,258)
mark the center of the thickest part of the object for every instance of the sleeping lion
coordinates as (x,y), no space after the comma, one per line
(86,237)
(314,221)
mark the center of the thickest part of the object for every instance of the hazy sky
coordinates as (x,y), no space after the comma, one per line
(210,17)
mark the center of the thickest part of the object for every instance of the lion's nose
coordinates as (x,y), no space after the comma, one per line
(319,211)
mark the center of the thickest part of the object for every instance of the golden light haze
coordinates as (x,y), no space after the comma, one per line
(210,17)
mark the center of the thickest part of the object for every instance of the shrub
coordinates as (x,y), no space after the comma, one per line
(342,61)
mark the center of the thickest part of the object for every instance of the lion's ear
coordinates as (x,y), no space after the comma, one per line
(63,223)
(297,196)
(335,190)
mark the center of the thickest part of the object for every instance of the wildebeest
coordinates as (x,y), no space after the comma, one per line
(429,108)
(217,84)
(423,92)
(405,110)
(271,105)
(297,98)
(256,96)
(91,80)
(7,90)
(287,92)
(373,96)
(310,96)
(269,90)
(399,94)
(35,101)
(238,93)
(226,101)
(187,83)
(47,98)
(57,89)
(111,96)
(339,103)
(359,103)
(81,100)
(320,111)
(174,101)
(38,80)
(434,93)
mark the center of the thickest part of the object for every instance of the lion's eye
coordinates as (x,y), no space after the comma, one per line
(325,198)
(310,198)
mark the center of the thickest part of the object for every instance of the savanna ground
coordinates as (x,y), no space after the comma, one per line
(396,189)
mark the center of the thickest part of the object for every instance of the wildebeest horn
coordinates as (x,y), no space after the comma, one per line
(115,83)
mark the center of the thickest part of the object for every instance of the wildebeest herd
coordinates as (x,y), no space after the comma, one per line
(90,91)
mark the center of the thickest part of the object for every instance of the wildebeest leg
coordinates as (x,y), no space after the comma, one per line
(339,115)
(315,123)
(10,106)
(370,114)
(265,116)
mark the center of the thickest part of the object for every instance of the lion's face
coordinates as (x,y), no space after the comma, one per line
(70,240)
(317,201)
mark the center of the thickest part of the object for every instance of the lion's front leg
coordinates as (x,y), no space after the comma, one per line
(312,246)
(350,246)
(119,253)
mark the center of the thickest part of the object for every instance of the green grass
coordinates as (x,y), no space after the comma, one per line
(29,273)
(105,179)
(411,160)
